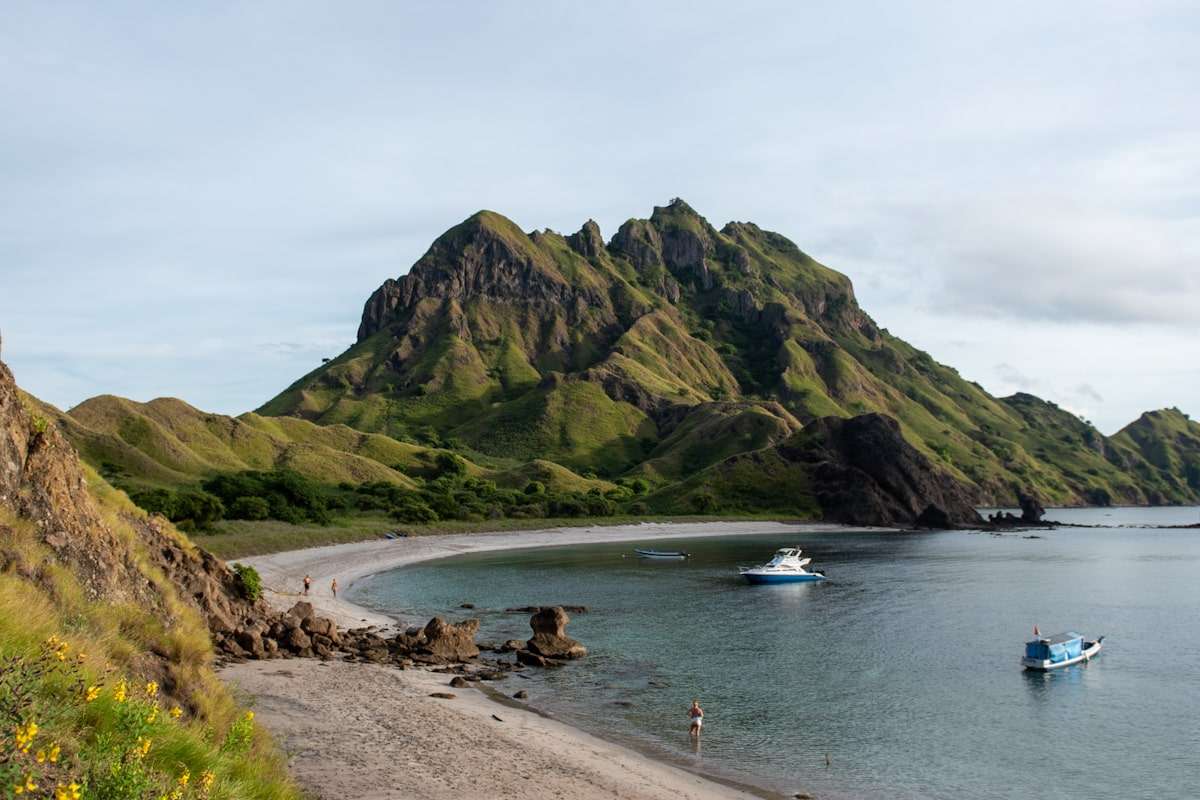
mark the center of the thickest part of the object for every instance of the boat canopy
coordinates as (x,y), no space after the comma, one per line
(1059,647)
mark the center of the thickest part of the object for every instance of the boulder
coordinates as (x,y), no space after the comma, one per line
(512,645)
(550,638)
(531,659)
(296,640)
(450,641)
(1031,509)
(319,626)
(301,611)
(251,642)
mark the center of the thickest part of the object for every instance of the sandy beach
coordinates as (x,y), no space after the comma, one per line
(360,730)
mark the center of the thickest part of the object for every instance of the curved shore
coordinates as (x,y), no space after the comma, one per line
(376,732)
(283,573)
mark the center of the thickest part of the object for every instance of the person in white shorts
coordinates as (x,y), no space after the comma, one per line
(696,715)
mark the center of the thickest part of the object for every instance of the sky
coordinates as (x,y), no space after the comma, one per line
(196,199)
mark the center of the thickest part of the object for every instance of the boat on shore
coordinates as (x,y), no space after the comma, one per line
(662,555)
(1045,653)
(786,566)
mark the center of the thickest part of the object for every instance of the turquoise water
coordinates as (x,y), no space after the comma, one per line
(902,667)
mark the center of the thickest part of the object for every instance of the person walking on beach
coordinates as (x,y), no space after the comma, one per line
(696,715)
(333,587)
(307,584)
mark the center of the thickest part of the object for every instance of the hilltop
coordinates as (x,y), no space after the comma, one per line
(674,350)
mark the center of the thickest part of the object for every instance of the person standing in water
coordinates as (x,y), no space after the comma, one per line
(696,715)
(333,587)
(307,584)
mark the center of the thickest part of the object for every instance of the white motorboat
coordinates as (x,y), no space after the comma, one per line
(786,566)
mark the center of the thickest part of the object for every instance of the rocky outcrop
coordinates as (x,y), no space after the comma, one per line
(1031,508)
(450,641)
(865,473)
(550,638)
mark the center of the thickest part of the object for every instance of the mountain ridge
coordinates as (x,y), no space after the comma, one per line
(500,339)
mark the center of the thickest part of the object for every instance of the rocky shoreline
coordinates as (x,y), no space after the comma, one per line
(431,665)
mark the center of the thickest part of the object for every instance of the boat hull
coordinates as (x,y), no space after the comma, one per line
(660,555)
(1090,651)
(769,579)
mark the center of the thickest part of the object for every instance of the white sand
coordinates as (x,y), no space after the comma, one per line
(365,731)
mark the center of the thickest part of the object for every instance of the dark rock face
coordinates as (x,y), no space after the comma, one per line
(550,638)
(865,473)
(1031,509)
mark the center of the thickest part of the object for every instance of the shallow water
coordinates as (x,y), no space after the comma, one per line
(902,667)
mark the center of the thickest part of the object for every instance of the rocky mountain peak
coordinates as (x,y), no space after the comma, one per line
(588,242)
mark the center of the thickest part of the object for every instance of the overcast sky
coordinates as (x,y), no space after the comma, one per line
(196,199)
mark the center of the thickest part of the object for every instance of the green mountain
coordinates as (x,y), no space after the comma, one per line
(675,351)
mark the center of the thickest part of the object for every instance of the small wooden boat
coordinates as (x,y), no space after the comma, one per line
(1045,653)
(662,555)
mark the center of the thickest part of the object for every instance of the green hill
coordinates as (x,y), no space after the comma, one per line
(674,347)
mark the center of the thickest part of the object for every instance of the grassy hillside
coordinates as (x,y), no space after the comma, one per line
(671,347)
(106,681)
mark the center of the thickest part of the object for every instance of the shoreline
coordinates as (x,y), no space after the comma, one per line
(613,767)
(283,573)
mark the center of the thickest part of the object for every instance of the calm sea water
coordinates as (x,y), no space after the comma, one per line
(902,667)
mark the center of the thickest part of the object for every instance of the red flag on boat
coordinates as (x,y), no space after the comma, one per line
(1036,632)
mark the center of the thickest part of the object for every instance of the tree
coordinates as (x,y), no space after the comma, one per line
(704,503)
(249,508)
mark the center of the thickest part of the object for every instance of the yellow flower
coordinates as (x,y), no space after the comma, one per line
(40,757)
(151,689)
(176,712)
(143,746)
(55,752)
(91,694)
(121,692)
(249,716)
(184,777)
(68,792)
(25,735)
(206,781)
(152,716)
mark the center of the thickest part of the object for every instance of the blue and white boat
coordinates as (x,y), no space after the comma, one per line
(786,566)
(1045,653)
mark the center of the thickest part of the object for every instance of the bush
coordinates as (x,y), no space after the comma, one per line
(413,509)
(535,488)
(449,465)
(249,581)
(200,508)
(250,508)
(639,509)
(704,503)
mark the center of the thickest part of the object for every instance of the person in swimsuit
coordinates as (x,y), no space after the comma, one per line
(696,715)
(307,583)
(333,587)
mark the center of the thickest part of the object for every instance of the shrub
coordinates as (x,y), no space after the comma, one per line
(250,508)
(535,488)
(704,503)
(249,581)
(450,465)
